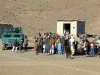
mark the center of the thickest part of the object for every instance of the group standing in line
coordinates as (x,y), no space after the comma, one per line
(55,44)
(51,43)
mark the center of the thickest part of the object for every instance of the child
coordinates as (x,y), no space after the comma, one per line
(59,47)
(36,47)
(43,47)
(34,38)
(78,48)
(72,49)
(82,46)
(52,49)
(92,48)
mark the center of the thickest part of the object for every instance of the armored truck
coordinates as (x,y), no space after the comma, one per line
(9,35)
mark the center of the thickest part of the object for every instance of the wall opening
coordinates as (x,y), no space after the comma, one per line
(66,26)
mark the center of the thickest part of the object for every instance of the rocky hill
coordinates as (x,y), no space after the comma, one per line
(42,15)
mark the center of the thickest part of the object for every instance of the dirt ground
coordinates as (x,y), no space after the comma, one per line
(27,63)
(41,16)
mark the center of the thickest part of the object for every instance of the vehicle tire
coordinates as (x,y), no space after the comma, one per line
(3,46)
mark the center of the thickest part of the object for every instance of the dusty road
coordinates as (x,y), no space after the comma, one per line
(28,63)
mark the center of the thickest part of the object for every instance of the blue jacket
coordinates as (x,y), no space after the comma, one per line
(59,46)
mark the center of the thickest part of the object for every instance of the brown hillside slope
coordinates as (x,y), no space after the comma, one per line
(42,15)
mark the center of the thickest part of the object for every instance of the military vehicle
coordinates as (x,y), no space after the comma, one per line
(9,35)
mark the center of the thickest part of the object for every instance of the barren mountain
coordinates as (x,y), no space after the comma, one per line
(42,15)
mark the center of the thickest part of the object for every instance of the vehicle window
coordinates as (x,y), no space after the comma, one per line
(17,35)
(7,35)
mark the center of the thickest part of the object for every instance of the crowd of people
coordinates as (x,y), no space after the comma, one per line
(51,43)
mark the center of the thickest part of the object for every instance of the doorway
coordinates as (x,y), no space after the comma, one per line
(66,26)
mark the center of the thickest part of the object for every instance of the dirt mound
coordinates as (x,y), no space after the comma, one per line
(42,15)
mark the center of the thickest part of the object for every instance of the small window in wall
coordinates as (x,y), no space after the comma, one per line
(73,27)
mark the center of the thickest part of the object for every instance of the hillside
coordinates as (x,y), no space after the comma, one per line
(42,15)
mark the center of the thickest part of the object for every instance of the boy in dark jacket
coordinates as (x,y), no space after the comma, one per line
(67,50)
(15,46)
